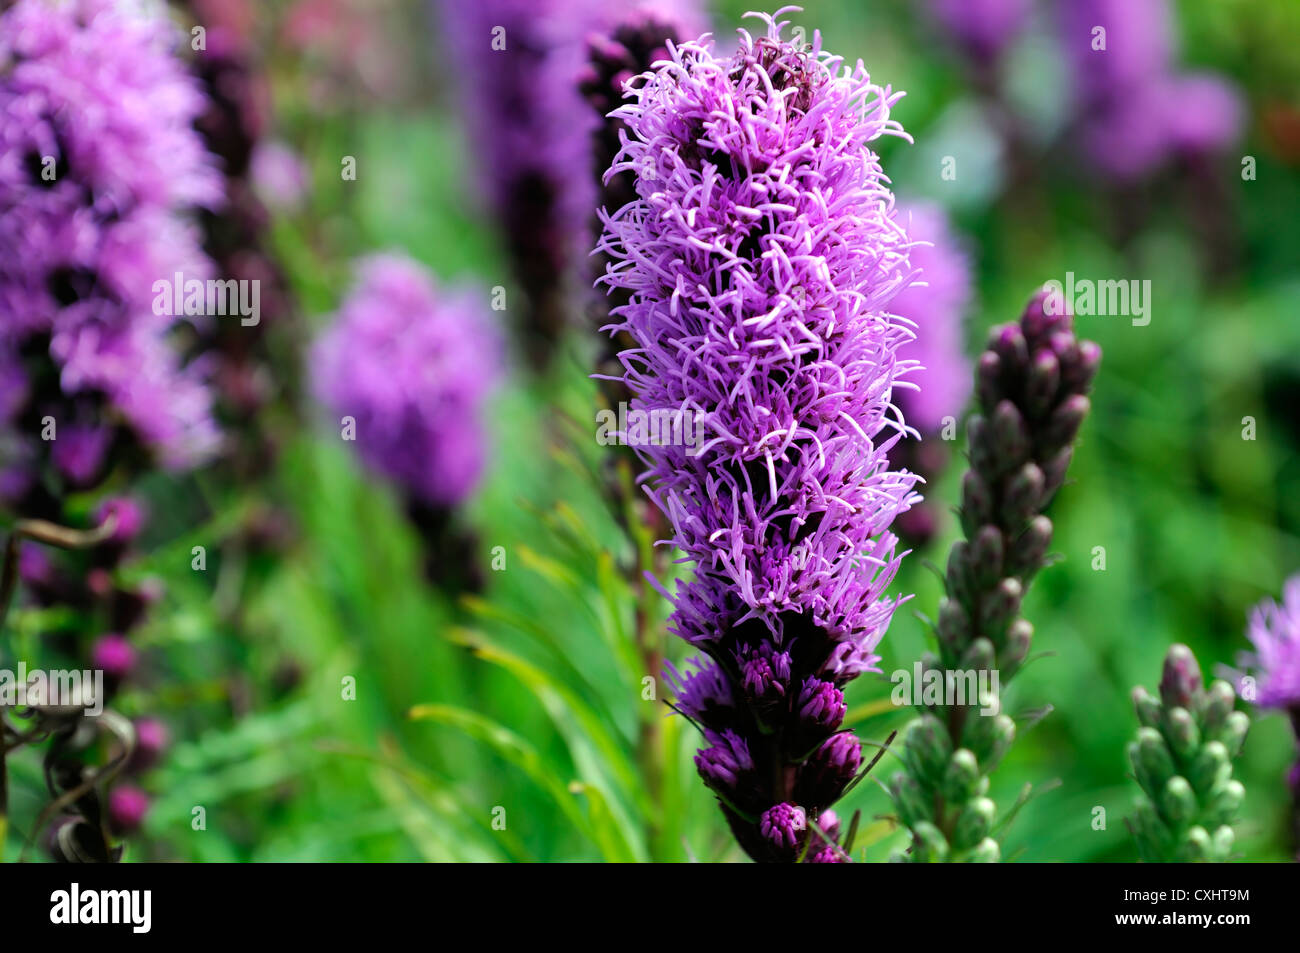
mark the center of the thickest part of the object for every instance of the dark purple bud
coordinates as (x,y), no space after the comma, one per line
(988,380)
(1078,375)
(983,455)
(1030,548)
(1000,606)
(976,502)
(1046,312)
(829,822)
(954,628)
(821,704)
(986,556)
(1010,437)
(1041,383)
(783,825)
(1009,344)
(1023,494)
(1064,424)
(1181,683)
(726,763)
(1054,470)
(822,778)
(958,580)
(828,855)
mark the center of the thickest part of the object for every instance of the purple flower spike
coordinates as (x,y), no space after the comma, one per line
(99,165)
(413,367)
(757,264)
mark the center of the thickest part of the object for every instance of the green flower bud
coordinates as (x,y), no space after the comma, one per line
(911,802)
(1015,647)
(986,852)
(1196,846)
(973,823)
(1210,769)
(1178,803)
(954,628)
(928,844)
(1000,607)
(1233,732)
(960,778)
(1223,841)
(1218,704)
(1224,803)
(958,581)
(1148,709)
(1182,734)
(1151,761)
(927,749)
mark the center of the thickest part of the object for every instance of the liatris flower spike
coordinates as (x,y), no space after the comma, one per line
(1274,682)
(1182,759)
(1031,383)
(408,369)
(759,260)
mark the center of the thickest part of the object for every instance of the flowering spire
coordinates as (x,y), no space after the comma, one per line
(1031,384)
(1274,629)
(99,164)
(408,369)
(518,64)
(759,259)
(1182,759)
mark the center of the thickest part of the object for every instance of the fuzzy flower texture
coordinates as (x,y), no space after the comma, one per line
(759,260)
(412,366)
(99,165)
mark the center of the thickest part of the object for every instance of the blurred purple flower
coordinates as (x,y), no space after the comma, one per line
(413,366)
(982,28)
(127,808)
(98,158)
(114,655)
(936,305)
(759,260)
(279,175)
(518,64)
(1136,112)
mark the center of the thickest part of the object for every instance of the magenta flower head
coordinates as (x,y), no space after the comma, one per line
(759,260)
(128,807)
(114,655)
(99,161)
(408,369)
